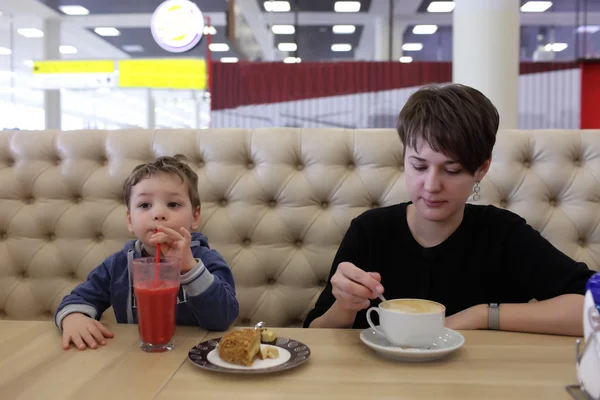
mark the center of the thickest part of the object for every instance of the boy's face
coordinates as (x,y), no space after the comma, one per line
(160,200)
(438,186)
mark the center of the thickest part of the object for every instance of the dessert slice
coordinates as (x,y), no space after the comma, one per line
(268,352)
(240,346)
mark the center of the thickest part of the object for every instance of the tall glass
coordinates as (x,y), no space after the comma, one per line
(156,286)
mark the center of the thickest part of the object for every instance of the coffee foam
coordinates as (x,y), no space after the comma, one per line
(412,306)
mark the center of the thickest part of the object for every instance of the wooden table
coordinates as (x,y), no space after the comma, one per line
(492,365)
(33,364)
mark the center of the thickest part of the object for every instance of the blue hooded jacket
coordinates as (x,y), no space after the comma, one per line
(206,297)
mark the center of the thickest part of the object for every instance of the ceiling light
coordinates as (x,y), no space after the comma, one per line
(588,29)
(283,29)
(412,46)
(287,46)
(66,49)
(133,48)
(556,47)
(107,31)
(440,6)
(5,51)
(210,30)
(30,32)
(229,59)
(425,29)
(218,47)
(344,29)
(74,10)
(277,6)
(292,60)
(28,63)
(347,6)
(536,6)
(341,47)
(406,59)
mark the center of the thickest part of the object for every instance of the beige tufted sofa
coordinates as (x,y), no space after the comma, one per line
(275,203)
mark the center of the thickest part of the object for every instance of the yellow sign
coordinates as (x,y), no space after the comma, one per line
(73,67)
(163,73)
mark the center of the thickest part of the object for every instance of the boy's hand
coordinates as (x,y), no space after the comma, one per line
(175,244)
(83,331)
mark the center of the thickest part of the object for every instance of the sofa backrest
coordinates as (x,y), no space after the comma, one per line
(275,203)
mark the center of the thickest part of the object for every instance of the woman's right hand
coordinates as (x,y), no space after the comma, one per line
(83,331)
(353,288)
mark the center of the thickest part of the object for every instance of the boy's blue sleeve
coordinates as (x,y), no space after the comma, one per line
(210,291)
(91,297)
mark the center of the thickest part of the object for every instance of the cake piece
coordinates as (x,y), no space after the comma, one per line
(240,346)
(268,352)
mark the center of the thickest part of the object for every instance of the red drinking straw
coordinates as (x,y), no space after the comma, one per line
(156,264)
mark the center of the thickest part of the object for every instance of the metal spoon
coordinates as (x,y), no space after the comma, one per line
(259,325)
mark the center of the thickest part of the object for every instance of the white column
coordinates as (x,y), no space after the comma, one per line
(52,106)
(382,38)
(150,113)
(486,52)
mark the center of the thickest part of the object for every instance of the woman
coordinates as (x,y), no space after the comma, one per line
(471,258)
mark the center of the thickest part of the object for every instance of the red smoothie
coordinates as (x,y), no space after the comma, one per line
(156,310)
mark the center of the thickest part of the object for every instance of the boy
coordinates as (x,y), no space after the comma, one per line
(163,206)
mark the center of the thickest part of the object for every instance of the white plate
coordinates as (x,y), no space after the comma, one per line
(292,353)
(447,343)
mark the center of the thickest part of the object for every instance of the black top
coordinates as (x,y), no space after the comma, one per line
(494,256)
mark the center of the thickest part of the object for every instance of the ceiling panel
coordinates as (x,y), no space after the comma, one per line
(143,37)
(314,42)
(318,5)
(557,5)
(130,6)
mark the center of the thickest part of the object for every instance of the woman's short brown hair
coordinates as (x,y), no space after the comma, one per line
(454,119)
(176,165)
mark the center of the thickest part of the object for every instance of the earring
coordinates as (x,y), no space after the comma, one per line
(476,190)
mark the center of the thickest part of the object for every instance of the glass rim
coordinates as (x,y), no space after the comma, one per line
(152,260)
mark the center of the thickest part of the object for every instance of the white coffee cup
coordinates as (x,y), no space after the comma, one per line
(409,322)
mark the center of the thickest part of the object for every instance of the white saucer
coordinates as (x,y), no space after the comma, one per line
(447,343)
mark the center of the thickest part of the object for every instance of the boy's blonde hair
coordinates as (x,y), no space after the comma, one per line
(176,165)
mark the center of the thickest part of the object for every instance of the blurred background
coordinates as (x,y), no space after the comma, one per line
(300,63)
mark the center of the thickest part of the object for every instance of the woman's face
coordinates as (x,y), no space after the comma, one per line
(437,185)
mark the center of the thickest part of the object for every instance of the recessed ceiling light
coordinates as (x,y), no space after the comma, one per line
(588,29)
(283,29)
(133,48)
(107,31)
(5,51)
(229,59)
(277,6)
(218,47)
(425,29)
(66,49)
(30,32)
(406,59)
(347,6)
(74,10)
(292,60)
(287,46)
(440,6)
(556,47)
(341,47)
(210,30)
(536,6)
(28,63)
(344,29)
(412,46)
